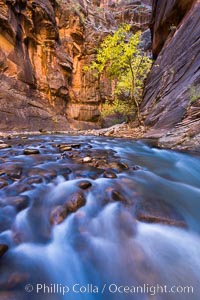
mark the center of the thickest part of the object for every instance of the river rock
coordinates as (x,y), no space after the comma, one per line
(158,211)
(109,174)
(33,180)
(3,249)
(87,159)
(84,184)
(162,220)
(4,146)
(15,174)
(58,215)
(75,201)
(117,196)
(75,145)
(3,183)
(118,166)
(12,170)
(20,202)
(31,151)
(47,174)
(64,148)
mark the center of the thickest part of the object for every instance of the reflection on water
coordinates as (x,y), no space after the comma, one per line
(107,240)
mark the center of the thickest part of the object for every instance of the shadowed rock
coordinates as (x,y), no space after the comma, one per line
(172,94)
(3,249)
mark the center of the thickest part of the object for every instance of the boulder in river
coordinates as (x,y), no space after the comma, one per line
(4,146)
(157,211)
(75,201)
(64,148)
(109,174)
(117,196)
(60,212)
(3,183)
(87,159)
(31,151)
(3,249)
(19,202)
(84,184)
(58,215)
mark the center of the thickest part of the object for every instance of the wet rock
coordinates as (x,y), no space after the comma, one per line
(12,170)
(75,145)
(161,220)
(20,202)
(118,166)
(15,174)
(117,196)
(3,249)
(75,201)
(109,174)
(47,174)
(58,215)
(67,155)
(109,133)
(90,172)
(65,148)
(157,211)
(84,184)
(60,212)
(17,188)
(4,146)
(70,146)
(34,180)
(87,159)
(3,183)
(31,151)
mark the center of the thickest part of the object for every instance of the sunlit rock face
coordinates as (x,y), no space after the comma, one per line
(43,48)
(172,95)
(34,75)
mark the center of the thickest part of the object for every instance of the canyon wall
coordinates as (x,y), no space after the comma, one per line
(171,104)
(44,45)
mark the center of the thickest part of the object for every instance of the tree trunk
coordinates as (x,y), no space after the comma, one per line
(134,98)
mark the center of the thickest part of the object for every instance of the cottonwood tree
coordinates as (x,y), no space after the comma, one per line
(121,57)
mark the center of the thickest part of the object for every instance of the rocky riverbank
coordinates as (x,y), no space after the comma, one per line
(182,140)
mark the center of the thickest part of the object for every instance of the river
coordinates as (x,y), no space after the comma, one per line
(98,218)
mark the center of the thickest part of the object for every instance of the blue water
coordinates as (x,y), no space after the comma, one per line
(104,245)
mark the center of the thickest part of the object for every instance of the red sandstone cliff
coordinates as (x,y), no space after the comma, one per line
(43,46)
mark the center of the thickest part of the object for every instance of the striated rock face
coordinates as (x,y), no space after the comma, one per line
(44,45)
(34,83)
(172,95)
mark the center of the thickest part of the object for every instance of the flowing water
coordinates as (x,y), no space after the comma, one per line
(138,228)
